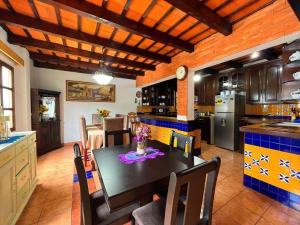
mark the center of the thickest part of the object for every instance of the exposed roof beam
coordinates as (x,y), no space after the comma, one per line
(77,70)
(89,10)
(43,26)
(81,64)
(233,64)
(18,40)
(296,7)
(206,71)
(201,12)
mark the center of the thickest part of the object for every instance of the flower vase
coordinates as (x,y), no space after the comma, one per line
(141,146)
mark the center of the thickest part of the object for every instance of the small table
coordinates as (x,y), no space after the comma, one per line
(123,184)
(95,138)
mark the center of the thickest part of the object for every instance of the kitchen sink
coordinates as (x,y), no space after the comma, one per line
(284,124)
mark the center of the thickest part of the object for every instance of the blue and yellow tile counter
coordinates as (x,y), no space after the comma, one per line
(161,128)
(272,164)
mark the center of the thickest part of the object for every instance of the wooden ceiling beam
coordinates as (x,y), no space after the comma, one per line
(26,42)
(103,15)
(296,7)
(82,64)
(76,69)
(43,26)
(204,14)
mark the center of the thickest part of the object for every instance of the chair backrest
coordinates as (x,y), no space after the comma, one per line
(201,184)
(112,124)
(83,132)
(120,137)
(84,190)
(125,120)
(96,119)
(182,141)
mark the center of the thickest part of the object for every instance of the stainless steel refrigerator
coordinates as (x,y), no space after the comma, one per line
(228,111)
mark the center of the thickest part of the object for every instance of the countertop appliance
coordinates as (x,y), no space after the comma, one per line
(228,111)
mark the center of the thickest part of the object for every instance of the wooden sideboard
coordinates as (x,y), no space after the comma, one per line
(18,163)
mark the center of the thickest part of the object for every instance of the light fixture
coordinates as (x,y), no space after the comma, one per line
(197,78)
(255,55)
(102,76)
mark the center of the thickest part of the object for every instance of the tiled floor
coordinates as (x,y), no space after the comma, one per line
(234,204)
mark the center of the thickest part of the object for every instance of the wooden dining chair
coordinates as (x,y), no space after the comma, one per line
(94,210)
(96,119)
(126,125)
(183,142)
(120,137)
(201,181)
(134,122)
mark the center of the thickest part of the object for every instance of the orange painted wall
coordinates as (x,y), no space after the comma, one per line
(268,24)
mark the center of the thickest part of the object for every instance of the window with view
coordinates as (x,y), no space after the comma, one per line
(7,92)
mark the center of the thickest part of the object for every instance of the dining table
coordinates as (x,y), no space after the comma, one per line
(124,183)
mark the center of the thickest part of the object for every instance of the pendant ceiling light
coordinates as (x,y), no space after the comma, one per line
(102,76)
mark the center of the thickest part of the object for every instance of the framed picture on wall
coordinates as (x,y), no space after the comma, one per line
(89,92)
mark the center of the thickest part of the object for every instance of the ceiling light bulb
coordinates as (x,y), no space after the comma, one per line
(197,78)
(255,55)
(102,78)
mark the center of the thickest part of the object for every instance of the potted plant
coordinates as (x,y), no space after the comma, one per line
(102,113)
(142,135)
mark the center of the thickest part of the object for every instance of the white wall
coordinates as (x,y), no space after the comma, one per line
(21,83)
(71,111)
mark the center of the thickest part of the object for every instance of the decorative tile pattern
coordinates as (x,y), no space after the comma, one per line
(273,161)
(89,175)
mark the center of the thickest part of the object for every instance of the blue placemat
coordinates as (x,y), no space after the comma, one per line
(132,156)
(11,139)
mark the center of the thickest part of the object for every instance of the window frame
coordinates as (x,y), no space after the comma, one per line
(12,89)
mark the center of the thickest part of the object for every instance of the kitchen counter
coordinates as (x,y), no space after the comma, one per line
(165,118)
(25,134)
(290,132)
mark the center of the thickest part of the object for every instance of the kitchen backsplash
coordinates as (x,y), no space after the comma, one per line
(263,110)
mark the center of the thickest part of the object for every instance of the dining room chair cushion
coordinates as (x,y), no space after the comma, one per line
(182,142)
(196,209)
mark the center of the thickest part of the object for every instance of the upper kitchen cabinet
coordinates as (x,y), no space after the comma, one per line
(205,90)
(272,79)
(264,82)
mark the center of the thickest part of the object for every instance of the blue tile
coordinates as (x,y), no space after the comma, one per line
(274,139)
(274,146)
(256,142)
(285,148)
(294,205)
(248,141)
(271,195)
(264,185)
(273,189)
(265,144)
(282,200)
(255,181)
(295,198)
(265,137)
(283,193)
(295,142)
(248,135)
(247,183)
(255,187)
(285,141)
(256,136)
(295,150)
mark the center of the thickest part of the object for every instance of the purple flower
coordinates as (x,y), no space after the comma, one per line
(142,133)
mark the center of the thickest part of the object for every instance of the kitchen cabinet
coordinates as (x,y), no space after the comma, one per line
(18,176)
(264,82)
(291,90)
(205,89)
(7,192)
(272,79)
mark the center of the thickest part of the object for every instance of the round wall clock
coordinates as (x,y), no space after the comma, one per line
(181,72)
(138,94)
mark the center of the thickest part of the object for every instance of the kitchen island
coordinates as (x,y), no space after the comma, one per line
(271,162)
(161,127)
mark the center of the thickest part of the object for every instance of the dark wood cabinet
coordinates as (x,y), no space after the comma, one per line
(205,90)
(47,125)
(264,82)
(272,79)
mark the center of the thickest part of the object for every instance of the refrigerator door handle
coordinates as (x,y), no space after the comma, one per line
(223,122)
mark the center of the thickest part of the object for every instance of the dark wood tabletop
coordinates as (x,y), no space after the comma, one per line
(123,183)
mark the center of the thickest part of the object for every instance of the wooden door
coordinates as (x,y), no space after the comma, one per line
(7,193)
(254,76)
(273,72)
(202,94)
(42,137)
